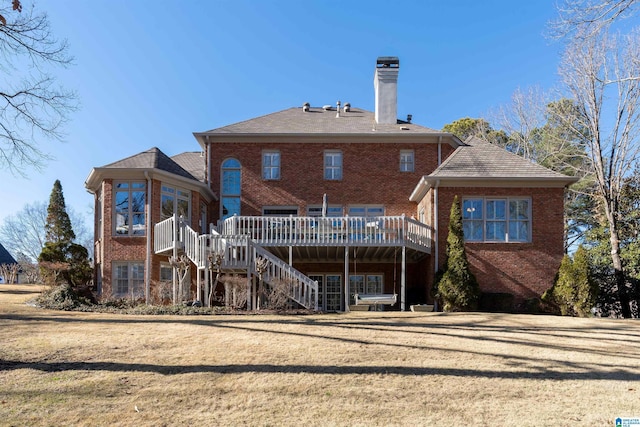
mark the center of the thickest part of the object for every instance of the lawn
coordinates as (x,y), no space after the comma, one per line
(363,368)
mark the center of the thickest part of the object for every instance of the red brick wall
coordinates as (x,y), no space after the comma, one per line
(121,248)
(523,269)
(370,175)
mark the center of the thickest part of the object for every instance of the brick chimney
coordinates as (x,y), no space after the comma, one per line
(385,83)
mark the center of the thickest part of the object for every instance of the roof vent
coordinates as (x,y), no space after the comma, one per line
(326,107)
(306,106)
(404,128)
(337,109)
(409,117)
(347,107)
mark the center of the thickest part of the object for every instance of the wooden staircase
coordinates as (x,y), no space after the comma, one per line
(238,254)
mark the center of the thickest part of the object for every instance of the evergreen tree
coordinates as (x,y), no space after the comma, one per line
(58,226)
(575,291)
(62,260)
(458,287)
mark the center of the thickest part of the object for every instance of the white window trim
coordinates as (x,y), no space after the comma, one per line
(271,168)
(404,164)
(333,168)
(131,291)
(130,230)
(484,219)
(176,197)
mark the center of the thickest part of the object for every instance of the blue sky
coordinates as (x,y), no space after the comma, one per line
(150,73)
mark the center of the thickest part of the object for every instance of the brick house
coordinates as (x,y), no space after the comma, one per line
(344,205)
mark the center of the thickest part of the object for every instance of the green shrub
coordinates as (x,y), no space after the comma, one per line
(575,291)
(62,297)
(458,287)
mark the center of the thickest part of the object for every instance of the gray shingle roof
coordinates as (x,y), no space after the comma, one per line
(192,162)
(480,159)
(151,159)
(5,256)
(318,121)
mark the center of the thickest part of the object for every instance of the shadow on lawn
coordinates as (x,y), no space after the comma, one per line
(615,333)
(534,374)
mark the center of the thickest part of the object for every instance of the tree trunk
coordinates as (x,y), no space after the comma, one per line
(618,269)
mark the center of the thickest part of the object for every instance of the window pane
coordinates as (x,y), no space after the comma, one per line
(167,206)
(472,230)
(231,163)
(230,206)
(138,224)
(406,161)
(183,209)
(137,201)
(496,209)
(519,209)
(496,230)
(374,284)
(231,182)
(137,185)
(519,231)
(122,201)
(472,209)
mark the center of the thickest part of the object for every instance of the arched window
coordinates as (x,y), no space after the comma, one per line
(230,188)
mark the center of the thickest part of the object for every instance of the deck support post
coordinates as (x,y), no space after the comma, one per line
(403,279)
(346,279)
(249,293)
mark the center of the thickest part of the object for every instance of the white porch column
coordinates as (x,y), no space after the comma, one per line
(346,279)
(403,279)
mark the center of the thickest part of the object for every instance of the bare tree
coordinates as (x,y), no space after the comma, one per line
(31,105)
(601,73)
(25,231)
(522,119)
(586,18)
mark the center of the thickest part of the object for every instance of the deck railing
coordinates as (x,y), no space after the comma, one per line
(330,231)
(237,252)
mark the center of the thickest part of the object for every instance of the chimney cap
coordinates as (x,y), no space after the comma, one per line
(388,62)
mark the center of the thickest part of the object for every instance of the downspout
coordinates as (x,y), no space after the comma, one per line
(435,225)
(208,160)
(147,268)
(439,150)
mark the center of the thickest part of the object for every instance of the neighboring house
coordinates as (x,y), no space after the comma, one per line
(5,259)
(343,205)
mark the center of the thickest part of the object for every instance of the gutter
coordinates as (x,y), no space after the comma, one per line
(435,226)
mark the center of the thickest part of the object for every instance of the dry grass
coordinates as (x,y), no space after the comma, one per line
(365,368)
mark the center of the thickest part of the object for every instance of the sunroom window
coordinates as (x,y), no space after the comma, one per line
(496,219)
(175,200)
(129,208)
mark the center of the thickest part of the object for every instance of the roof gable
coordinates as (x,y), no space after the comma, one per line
(153,158)
(5,256)
(478,159)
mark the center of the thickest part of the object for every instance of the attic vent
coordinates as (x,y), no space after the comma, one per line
(306,106)
(347,107)
(326,107)
(404,128)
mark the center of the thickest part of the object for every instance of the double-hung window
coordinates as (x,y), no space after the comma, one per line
(496,219)
(129,208)
(128,279)
(271,165)
(406,161)
(332,165)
